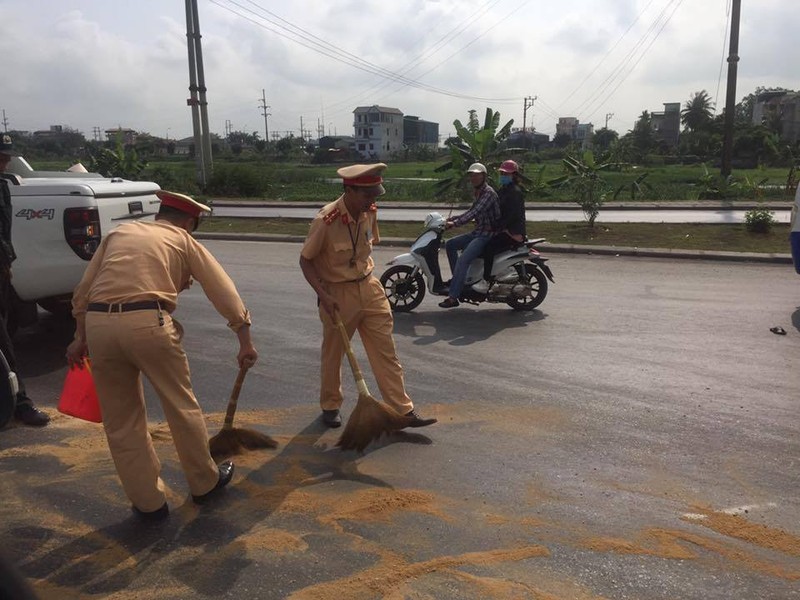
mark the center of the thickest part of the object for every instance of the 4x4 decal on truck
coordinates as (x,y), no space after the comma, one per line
(42,213)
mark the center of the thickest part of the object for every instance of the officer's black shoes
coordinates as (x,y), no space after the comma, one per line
(153,515)
(225,476)
(448,303)
(332,418)
(28,414)
(417,421)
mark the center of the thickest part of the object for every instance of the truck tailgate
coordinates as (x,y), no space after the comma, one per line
(46,265)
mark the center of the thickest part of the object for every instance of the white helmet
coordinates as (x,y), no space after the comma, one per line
(477,168)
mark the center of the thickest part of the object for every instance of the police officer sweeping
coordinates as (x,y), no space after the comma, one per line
(122,310)
(336,260)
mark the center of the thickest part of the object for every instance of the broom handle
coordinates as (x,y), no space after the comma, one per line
(360,383)
(237,387)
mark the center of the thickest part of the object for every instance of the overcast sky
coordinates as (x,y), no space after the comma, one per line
(108,63)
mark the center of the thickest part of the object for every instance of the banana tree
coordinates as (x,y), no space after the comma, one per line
(474,144)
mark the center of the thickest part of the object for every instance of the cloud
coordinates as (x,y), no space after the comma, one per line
(92,63)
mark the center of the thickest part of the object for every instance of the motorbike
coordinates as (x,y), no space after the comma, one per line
(520,274)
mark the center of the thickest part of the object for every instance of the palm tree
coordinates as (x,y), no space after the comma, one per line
(698,112)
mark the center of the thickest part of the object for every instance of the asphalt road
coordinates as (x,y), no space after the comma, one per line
(568,215)
(635,437)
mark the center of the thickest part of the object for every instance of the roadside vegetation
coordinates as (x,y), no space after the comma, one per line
(680,236)
(638,165)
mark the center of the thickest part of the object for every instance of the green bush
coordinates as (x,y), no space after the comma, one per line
(759,220)
(238,180)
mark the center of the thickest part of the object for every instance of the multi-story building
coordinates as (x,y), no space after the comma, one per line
(577,131)
(583,134)
(127,135)
(378,131)
(667,124)
(782,107)
(566,126)
(417,132)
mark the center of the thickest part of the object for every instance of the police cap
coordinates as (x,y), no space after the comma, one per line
(364,176)
(182,203)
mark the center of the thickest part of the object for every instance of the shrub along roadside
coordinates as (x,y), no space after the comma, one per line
(677,236)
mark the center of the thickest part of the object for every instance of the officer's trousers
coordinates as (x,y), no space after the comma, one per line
(363,307)
(122,346)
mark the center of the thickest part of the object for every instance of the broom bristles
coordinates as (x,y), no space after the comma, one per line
(235,440)
(369,420)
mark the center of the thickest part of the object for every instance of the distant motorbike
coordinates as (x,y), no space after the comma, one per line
(520,274)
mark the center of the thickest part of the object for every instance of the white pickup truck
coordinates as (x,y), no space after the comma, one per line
(59,220)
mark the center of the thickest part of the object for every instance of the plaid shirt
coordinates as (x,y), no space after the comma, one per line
(485,211)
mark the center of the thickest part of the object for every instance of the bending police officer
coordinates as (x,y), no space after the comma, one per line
(122,307)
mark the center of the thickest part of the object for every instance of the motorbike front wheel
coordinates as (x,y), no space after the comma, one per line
(404,291)
(530,275)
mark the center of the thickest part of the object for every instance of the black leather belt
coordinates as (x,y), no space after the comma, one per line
(126,307)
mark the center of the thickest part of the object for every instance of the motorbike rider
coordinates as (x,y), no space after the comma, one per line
(485,211)
(511,227)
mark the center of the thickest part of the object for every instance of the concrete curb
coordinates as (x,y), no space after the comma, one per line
(676,205)
(545,248)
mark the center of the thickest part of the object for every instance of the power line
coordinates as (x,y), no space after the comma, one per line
(623,69)
(722,54)
(450,35)
(641,56)
(320,46)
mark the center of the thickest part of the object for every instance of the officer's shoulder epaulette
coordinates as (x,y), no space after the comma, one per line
(331,216)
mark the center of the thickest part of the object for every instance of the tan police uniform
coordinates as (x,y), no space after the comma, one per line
(341,251)
(139,270)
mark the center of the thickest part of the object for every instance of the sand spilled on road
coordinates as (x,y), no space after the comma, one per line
(683,545)
(392,572)
(737,526)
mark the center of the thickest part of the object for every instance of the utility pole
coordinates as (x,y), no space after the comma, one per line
(96,133)
(263,106)
(730,99)
(302,131)
(197,99)
(5,122)
(608,116)
(527,103)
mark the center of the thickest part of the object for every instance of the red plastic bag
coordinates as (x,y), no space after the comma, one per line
(78,396)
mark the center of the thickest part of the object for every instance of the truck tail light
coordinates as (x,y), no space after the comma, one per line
(82,230)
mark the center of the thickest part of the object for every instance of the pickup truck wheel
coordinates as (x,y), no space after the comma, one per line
(60,308)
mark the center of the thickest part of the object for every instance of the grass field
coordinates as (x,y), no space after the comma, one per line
(680,236)
(415,181)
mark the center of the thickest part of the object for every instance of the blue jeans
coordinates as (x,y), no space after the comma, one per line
(472,245)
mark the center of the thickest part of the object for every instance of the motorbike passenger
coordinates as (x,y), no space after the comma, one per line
(511,227)
(485,211)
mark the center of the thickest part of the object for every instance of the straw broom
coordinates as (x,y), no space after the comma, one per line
(235,440)
(370,419)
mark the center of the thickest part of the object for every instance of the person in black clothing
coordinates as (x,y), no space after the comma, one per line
(511,228)
(24,411)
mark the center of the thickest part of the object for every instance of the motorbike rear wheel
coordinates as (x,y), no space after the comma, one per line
(404,291)
(530,275)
